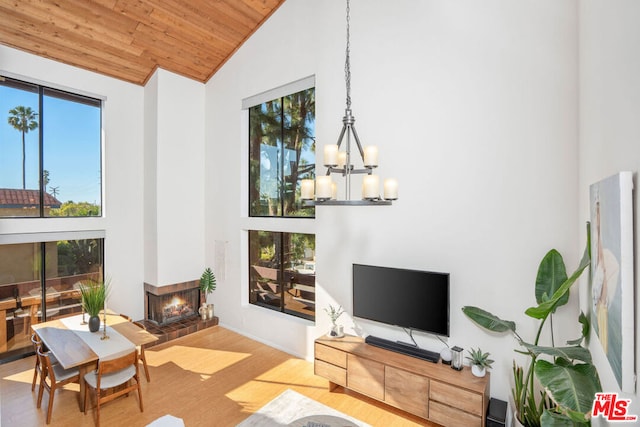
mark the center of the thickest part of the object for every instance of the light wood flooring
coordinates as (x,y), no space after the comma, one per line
(214,377)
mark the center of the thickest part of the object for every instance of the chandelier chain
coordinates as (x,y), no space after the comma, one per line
(347,62)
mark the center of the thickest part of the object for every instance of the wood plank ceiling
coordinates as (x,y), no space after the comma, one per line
(129,39)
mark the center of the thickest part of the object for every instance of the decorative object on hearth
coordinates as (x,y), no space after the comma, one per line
(342,162)
(568,377)
(204,311)
(337,331)
(207,286)
(456,358)
(94,295)
(480,362)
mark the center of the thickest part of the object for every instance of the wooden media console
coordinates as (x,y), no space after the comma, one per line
(432,391)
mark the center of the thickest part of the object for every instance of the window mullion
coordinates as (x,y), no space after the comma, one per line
(282,148)
(41,149)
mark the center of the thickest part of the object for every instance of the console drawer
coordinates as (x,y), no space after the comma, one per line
(331,355)
(333,373)
(452,417)
(465,400)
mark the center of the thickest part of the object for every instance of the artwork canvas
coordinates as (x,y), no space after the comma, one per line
(612,283)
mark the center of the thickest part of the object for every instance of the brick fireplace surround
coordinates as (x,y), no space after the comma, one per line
(180,327)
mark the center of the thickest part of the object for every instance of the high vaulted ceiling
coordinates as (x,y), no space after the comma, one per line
(128,39)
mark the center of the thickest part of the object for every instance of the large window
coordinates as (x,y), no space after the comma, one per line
(50,152)
(40,281)
(282,272)
(281,153)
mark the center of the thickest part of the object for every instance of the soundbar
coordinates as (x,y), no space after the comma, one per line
(420,353)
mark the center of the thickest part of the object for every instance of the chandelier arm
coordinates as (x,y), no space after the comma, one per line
(355,135)
(342,132)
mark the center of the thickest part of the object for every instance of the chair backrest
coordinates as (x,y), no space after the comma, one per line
(125,317)
(109,366)
(116,364)
(45,363)
(35,341)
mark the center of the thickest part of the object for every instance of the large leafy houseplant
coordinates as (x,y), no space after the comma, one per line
(567,377)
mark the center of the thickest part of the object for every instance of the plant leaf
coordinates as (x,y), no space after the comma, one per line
(551,275)
(572,387)
(552,419)
(544,309)
(570,353)
(487,320)
(586,325)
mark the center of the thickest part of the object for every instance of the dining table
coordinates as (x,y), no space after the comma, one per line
(74,346)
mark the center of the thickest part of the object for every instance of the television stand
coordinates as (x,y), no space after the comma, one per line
(432,391)
(403,348)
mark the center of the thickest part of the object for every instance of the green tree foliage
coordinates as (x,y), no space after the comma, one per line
(79,256)
(23,119)
(76,209)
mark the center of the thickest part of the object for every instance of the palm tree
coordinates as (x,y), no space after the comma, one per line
(23,119)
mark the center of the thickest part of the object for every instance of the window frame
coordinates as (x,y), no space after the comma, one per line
(44,89)
(294,224)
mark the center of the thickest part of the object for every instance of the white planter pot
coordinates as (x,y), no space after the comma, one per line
(478,371)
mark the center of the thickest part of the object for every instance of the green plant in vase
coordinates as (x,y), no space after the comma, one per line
(94,294)
(334,313)
(207,286)
(480,362)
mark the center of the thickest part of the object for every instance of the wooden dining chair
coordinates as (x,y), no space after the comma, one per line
(37,369)
(52,377)
(141,355)
(111,374)
(124,316)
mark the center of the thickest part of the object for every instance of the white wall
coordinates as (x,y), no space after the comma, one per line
(123,190)
(609,125)
(474,109)
(174,165)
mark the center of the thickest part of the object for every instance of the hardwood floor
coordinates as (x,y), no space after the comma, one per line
(214,377)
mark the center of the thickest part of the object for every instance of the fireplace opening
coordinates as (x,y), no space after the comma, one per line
(172,306)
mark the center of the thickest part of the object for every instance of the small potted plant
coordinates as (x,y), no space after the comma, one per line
(207,286)
(480,362)
(94,294)
(334,313)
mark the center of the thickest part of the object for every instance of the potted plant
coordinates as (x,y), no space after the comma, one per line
(567,377)
(480,362)
(334,313)
(94,294)
(207,286)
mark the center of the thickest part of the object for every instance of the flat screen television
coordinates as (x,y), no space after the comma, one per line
(410,299)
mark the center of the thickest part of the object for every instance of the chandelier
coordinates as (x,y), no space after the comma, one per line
(342,162)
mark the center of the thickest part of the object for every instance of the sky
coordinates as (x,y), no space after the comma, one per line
(71,134)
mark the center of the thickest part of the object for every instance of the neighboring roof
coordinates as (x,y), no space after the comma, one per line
(17,198)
